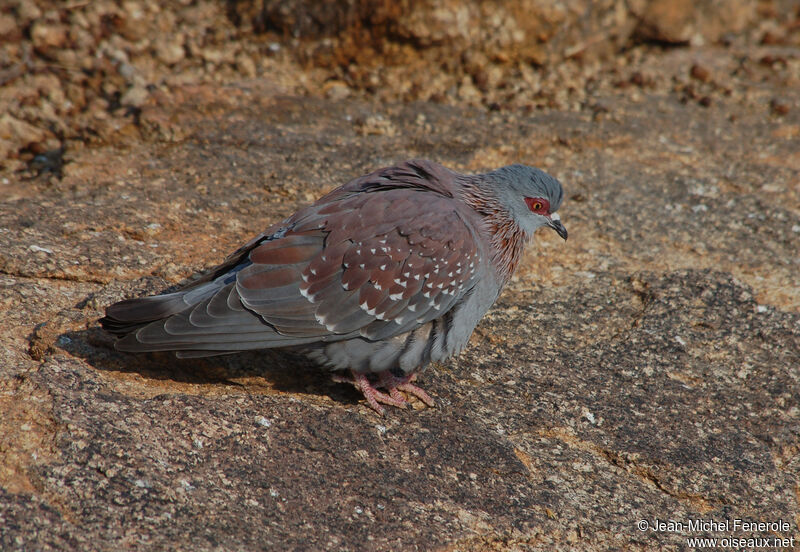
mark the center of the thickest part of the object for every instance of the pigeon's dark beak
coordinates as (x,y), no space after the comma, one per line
(555,224)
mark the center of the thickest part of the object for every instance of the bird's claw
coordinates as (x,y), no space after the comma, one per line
(395,384)
(392,384)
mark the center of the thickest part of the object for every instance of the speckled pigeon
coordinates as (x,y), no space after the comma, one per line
(379,278)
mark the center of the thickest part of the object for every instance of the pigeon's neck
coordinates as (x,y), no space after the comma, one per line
(506,238)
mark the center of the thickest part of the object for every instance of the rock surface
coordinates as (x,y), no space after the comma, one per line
(647,369)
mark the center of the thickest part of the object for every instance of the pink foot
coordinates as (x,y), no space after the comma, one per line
(394,384)
(389,382)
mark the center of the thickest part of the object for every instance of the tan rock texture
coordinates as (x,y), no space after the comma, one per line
(647,369)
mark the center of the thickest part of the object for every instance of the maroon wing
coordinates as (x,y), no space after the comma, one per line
(378,264)
(375,258)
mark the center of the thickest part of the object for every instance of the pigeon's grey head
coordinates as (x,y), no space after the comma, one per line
(531,196)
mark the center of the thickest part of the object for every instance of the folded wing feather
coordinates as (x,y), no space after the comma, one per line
(374,259)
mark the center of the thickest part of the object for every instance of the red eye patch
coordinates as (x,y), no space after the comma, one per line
(538,205)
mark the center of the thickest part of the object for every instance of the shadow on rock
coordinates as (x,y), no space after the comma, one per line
(257,371)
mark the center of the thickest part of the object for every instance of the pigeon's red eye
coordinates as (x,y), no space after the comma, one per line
(538,205)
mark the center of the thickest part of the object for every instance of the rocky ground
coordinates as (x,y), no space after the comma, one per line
(649,368)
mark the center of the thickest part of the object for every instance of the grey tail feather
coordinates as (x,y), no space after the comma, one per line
(131,314)
(201,354)
(127,316)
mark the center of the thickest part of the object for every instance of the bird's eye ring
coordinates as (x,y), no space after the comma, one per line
(538,205)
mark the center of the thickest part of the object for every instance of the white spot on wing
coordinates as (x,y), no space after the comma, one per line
(395,296)
(365,307)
